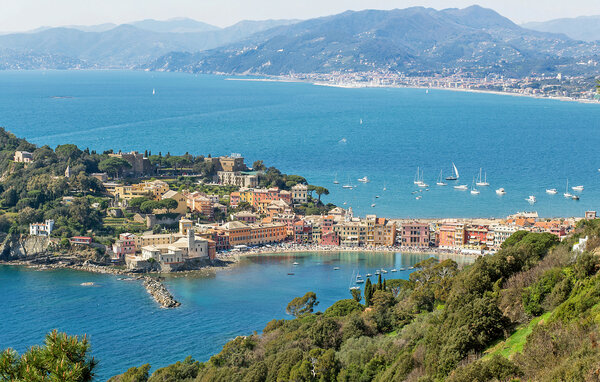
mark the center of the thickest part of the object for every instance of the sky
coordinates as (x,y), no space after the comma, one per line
(21,15)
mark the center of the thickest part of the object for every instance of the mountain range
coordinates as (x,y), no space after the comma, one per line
(585,28)
(126,45)
(416,41)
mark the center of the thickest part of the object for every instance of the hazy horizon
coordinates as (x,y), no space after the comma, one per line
(27,15)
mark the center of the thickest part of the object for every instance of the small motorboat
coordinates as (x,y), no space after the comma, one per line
(394,270)
(290,273)
(373,205)
(551,191)
(500,191)
(384,271)
(461,187)
(369,275)
(364,179)
(419,197)
(336,268)
(295,263)
(577,188)
(531,199)
(575,197)
(376,196)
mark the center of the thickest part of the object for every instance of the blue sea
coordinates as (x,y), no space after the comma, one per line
(127,328)
(524,145)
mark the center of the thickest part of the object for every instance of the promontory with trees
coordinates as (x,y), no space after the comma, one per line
(530,312)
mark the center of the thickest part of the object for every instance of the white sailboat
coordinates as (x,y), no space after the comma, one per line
(482,182)
(420,183)
(440,182)
(384,188)
(348,185)
(153,91)
(567,194)
(417,179)
(361,121)
(474,191)
(335,181)
(454,175)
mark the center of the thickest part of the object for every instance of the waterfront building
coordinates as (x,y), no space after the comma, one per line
(81,240)
(237,178)
(380,231)
(330,238)
(476,236)
(498,234)
(300,194)
(140,165)
(41,229)
(302,232)
(415,234)
(123,247)
(590,215)
(252,234)
(351,233)
(452,236)
(23,157)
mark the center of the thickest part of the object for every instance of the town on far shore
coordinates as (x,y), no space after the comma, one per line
(170,219)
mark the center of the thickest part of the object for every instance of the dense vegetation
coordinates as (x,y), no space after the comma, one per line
(529,312)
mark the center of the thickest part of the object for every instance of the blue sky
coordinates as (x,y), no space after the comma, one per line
(20,15)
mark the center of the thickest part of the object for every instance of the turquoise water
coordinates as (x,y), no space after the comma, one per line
(127,328)
(525,145)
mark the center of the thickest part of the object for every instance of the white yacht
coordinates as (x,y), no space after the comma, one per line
(461,187)
(364,179)
(531,199)
(567,194)
(474,191)
(577,188)
(500,191)
(551,191)
(440,182)
(482,182)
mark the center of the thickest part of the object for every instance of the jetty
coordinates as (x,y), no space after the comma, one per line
(158,291)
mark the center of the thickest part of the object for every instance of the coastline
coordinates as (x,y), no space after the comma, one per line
(266,78)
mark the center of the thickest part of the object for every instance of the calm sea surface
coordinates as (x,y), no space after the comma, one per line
(127,328)
(525,145)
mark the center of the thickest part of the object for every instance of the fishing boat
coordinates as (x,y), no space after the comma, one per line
(482,182)
(551,191)
(577,188)
(364,179)
(454,175)
(440,182)
(531,199)
(461,187)
(474,191)
(500,191)
(567,194)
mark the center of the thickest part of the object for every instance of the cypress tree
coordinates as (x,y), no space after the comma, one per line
(384,286)
(379,283)
(368,292)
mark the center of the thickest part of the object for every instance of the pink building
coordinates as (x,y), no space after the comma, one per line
(123,247)
(330,238)
(415,234)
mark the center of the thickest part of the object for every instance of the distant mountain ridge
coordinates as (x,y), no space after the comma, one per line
(127,45)
(414,40)
(585,28)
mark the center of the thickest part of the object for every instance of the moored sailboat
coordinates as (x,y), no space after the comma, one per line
(454,175)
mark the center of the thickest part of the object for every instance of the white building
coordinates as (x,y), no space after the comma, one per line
(187,247)
(300,194)
(41,229)
(498,234)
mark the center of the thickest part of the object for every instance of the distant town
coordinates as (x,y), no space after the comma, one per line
(574,88)
(174,225)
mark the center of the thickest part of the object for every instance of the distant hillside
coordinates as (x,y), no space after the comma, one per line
(585,28)
(125,46)
(413,40)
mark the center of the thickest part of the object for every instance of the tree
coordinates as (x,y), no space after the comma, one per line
(169,204)
(133,374)
(113,165)
(258,166)
(148,206)
(320,191)
(356,294)
(368,292)
(379,283)
(302,305)
(61,358)
(68,151)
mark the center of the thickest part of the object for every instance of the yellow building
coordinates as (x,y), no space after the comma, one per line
(154,190)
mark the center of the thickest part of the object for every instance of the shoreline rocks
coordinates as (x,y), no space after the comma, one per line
(160,293)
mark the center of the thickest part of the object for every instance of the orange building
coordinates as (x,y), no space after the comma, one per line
(452,236)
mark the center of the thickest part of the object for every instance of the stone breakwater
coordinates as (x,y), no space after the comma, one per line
(160,293)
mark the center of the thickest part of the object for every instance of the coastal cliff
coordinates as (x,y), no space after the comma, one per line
(15,247)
